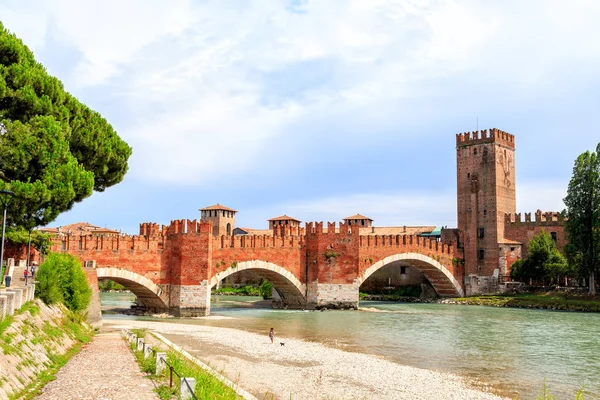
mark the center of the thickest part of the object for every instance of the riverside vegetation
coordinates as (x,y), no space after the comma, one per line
(45,333)
(265,289)
(550,300)
(207,385)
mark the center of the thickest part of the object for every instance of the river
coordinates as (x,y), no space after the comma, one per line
(513,350)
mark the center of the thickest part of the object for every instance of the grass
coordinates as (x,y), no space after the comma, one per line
(72,326)
(548,300)
(49,374)
(208,387)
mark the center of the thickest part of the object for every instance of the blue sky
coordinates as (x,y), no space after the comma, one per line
(320,109)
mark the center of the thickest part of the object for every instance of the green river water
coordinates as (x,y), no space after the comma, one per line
(513,350)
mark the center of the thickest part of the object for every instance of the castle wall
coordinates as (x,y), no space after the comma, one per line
(523,228)
(284,251)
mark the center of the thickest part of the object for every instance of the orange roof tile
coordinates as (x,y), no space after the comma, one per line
(357,216)
(284,218)
(217,207)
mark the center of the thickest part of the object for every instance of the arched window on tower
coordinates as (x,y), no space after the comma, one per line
(229,229)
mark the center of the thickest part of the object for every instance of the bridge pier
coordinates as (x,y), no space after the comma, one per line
(332,296)
(190,300)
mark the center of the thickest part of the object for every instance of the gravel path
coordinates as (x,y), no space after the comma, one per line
(104,370)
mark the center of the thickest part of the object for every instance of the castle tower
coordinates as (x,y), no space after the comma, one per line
(485,164)
(221,217)
(360,220)
(284,222)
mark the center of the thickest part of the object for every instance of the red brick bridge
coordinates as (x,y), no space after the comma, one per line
(173,268)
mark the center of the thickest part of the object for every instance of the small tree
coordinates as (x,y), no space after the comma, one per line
(544,261)
(62,280)
(266,289)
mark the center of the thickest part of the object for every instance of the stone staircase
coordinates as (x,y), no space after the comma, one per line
(13,297)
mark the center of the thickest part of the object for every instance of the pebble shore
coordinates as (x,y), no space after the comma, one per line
(306,370)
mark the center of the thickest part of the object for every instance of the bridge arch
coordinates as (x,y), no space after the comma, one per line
(442,280)
(147,292)
(291,290)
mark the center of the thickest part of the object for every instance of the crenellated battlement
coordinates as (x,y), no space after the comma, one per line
(405,241)
(73,242)
(257,241)
(318,228)
(287,230)
(541,218)
(152,229)
(485,136)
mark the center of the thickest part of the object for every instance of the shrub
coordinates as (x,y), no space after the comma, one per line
(62,280)
(266,290)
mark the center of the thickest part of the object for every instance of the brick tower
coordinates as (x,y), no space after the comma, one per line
(485,164)
(221,217)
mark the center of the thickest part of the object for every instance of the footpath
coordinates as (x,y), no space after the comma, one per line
(105,369)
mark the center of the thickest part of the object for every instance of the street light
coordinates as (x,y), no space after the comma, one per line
(5,197)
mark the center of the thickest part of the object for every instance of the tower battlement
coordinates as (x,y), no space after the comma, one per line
(541,218)
(485,136)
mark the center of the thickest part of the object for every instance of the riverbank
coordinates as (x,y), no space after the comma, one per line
(543,301)
(307,370)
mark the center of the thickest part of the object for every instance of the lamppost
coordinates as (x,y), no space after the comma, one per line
(5,197)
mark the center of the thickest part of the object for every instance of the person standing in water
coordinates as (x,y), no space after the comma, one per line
(272,334)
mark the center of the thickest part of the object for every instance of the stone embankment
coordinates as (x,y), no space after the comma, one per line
(31,340)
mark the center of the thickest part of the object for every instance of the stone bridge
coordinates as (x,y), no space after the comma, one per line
(173,268)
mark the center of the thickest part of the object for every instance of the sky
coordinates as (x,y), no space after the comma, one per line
(320,109)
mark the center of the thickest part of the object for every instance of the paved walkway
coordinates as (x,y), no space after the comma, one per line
(104,370)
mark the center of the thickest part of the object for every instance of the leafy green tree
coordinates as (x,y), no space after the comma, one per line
(583,215)
(61,279)
(40,241)
(54,151)
(543,263)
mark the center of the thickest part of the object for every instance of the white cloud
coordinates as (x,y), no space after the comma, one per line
(386,209)
(195,79)
(542,195)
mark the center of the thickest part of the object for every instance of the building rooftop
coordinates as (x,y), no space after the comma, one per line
(257,232)
(398,230)
(217,207)
(284,218)
(83,228)
(357,216)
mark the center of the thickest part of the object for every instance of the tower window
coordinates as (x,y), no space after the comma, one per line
(481,254)
(485,213)
(468,174)
(553,234)
(480,232)
(475,151)
(402,270)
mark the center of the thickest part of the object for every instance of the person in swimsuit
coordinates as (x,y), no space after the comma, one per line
(272,334)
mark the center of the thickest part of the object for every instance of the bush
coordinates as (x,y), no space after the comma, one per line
(108,285)
(61,280)
(266,290)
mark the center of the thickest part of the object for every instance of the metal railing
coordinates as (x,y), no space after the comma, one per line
(171,368)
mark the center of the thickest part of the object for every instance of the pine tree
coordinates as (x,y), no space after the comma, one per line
(54,151)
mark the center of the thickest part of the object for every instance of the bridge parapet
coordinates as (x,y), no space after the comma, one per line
(405,241)
(257,241)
